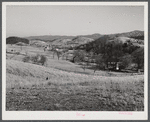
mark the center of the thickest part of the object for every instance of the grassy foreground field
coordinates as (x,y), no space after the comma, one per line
(28,89)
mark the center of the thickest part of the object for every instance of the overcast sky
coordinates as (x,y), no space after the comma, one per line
(72,20)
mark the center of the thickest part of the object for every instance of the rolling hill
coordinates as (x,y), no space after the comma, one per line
(133,34)
(49,38)
(28,90)
(38,43)
(93,36)
(135,37)
(14,40)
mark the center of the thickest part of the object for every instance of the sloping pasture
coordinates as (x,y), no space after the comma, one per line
(34,87)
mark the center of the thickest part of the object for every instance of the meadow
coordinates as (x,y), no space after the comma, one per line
(64,86)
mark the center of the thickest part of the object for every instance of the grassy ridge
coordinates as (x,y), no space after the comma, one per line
(28,89)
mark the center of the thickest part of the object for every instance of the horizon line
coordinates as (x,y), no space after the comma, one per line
(74,35)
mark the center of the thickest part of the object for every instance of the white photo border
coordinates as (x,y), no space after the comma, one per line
(72,115)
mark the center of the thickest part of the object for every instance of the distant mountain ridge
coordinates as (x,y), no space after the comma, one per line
(133,34)
(73,41)
(49,37)
(93,36)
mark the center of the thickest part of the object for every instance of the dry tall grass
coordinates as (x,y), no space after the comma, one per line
(28,89)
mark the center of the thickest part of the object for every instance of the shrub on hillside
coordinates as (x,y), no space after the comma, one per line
(78,56)
(34,59)
(39,59)
(26,59)
(42,60)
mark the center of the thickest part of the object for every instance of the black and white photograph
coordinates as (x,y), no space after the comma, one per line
(75,60)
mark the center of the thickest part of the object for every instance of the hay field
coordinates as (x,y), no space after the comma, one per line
(28,89)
